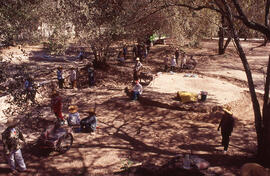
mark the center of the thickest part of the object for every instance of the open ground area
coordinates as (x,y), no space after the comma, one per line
(149,133)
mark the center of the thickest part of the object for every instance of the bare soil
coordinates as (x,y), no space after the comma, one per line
(153,131)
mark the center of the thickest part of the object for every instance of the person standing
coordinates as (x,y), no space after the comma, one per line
(134,51)
(73,78)
(91,75)
(29,89)
(57,106)
(12,139)
(173,64)
(176,55)
(183,61)
(166,60)
(226,124)
(125,51)
(60,77)
(137,68)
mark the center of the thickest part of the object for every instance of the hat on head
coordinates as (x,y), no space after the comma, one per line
(73,109)
(137,59)
(227,109)
(60,67)
(91,110)
(11,122)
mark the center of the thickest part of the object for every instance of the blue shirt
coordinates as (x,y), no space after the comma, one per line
(74,119)
(59,74)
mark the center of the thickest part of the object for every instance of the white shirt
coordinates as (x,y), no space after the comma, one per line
(138,65)
(73,75)
(173,62)
(138,88)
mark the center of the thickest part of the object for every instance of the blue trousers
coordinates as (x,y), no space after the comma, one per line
(16,157)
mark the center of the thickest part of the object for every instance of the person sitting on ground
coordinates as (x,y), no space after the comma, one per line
(226,124)
(137,69)
(137,90)
(89,124)
(12,139)
(57,105)
(74,116)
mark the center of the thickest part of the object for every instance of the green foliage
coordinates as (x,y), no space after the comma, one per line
(57,43)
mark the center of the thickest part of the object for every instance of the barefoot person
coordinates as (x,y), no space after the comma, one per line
(12,139)
(226,124)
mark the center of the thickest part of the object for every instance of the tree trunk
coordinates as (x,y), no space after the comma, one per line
(221,37)
(255,102)
(220,41)
(266,119)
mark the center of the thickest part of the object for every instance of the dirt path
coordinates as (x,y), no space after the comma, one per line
(132,133)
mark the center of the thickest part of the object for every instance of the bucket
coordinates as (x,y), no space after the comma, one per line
(203,95)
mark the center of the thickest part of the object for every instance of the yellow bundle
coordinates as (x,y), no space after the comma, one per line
(187,96)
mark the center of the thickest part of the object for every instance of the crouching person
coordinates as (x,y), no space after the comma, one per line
(89,124)
(74,116)
(12,139)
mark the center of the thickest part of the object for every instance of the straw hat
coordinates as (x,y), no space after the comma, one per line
(137,59)
(60,67)
(91,110)
(227,109)
(73,109)
(11,122)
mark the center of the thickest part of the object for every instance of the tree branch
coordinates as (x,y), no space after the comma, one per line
(253,25)
(267,6)
(266,90)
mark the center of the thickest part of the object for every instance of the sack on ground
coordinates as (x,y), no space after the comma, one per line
(187,96)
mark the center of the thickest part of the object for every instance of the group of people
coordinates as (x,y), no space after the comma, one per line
(170,63)
(73,118)
(74,77)
(13,138)
(87,124)
(141,50)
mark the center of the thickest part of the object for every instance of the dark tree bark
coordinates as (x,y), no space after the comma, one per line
(266,118)
(255,103)
(221,37)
